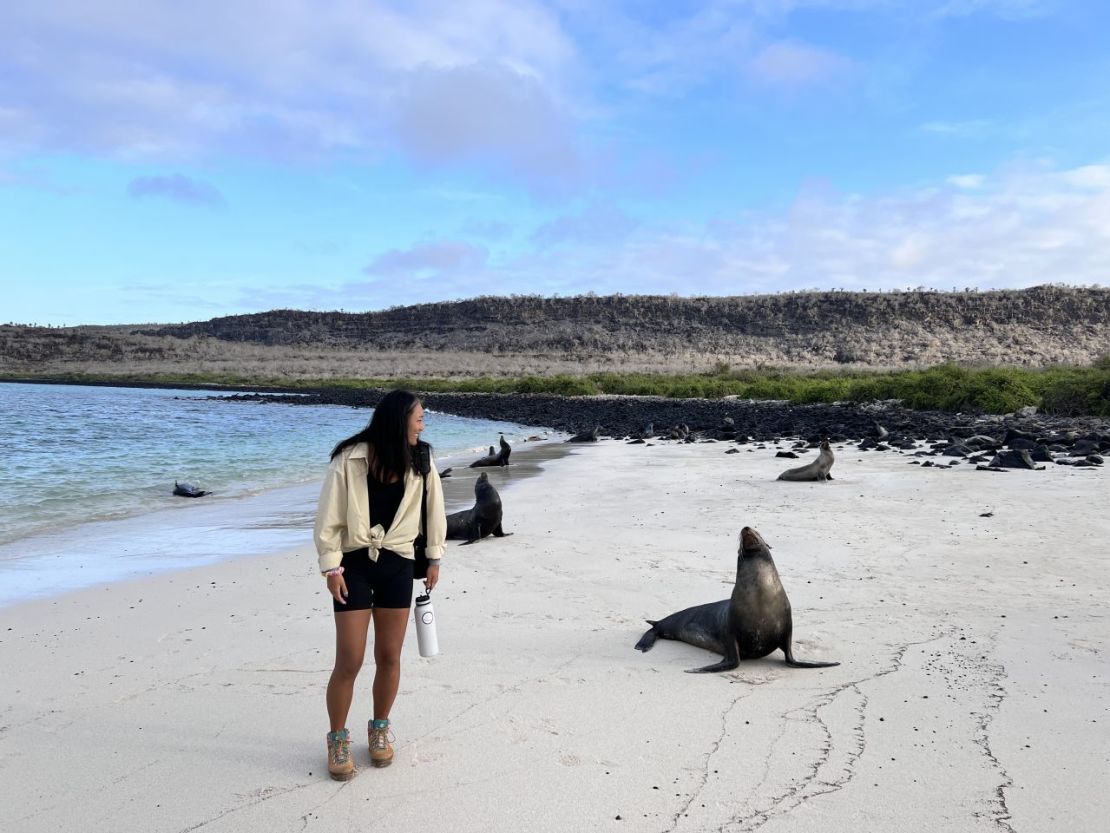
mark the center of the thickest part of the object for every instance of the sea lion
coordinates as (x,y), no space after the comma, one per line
(817,470)
(494,458)
(753,623)
(506,450)
(188,490)
(586,436)
(482,519)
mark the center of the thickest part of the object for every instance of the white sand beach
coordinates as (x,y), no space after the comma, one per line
(972,693)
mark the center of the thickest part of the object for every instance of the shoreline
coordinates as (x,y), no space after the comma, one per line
(621,415)
(182,537)
(197,698)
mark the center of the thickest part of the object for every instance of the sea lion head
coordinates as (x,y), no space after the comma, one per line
(482,478)
(752,543)
(825,445)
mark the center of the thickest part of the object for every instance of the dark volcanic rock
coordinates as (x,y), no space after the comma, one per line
(622,416)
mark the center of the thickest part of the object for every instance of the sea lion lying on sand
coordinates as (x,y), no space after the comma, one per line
(753,623)
(587,436)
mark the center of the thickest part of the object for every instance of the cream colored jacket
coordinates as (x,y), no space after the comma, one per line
(343,514)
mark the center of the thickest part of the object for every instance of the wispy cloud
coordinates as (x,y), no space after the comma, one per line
(969,129)
(967,181)
(794,65)
(597,224)
(433,260)
(176,187)
(492,230)
(1005,9)
(1013,228)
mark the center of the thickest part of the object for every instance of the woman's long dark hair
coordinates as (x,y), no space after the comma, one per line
(387,435)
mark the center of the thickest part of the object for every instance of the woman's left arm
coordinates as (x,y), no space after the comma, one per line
(436,532)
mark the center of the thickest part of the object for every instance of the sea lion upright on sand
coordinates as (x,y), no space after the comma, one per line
(494,458)
(482,519)
(816,470)
(751,624)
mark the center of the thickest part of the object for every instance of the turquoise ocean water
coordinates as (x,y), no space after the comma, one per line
(86,476)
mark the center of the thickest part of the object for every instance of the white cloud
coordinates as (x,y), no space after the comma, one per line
(966,181)
(1021,227)
(172,80)
(1018,228)
(490,114)
(431,260)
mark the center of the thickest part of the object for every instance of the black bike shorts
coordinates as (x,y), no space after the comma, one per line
(386,582)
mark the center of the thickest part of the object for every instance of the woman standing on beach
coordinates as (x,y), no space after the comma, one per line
(368,518)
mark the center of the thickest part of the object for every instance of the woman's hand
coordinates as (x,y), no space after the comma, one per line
(433,578)
(337,586)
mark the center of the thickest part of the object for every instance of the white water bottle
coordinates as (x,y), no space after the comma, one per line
(425,618)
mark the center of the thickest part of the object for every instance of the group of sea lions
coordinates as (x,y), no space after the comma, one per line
(754,622)
(484,517)
(495,458)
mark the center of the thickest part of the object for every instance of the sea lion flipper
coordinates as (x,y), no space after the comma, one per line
(800,664)
(724,665)
(730,660)
(648,639)
(796,663)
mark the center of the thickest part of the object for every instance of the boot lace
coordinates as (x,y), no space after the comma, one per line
(380,738)
(340,749)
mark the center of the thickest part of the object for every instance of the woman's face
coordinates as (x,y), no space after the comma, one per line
(416,423)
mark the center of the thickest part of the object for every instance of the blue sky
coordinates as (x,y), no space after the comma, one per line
(165,162)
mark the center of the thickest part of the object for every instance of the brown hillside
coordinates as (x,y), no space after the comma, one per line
(527,334)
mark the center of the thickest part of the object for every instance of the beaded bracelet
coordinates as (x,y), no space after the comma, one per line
(335,571)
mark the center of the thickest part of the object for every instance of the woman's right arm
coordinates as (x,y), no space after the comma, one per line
(331,517)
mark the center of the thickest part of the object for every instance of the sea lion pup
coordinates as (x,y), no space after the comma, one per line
(753,623)
(506,450)
(188,490)
(816,470)
(482,519)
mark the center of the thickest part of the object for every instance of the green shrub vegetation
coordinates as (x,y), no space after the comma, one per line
(1066,391)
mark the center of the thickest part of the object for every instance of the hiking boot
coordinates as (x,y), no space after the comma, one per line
(381,748)
(341,766)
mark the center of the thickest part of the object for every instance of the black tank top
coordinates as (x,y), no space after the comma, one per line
(385,500)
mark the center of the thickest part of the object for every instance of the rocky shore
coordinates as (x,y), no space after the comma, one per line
(877,425)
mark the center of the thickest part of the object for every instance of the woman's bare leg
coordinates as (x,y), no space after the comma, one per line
(390,624)
(350,648)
